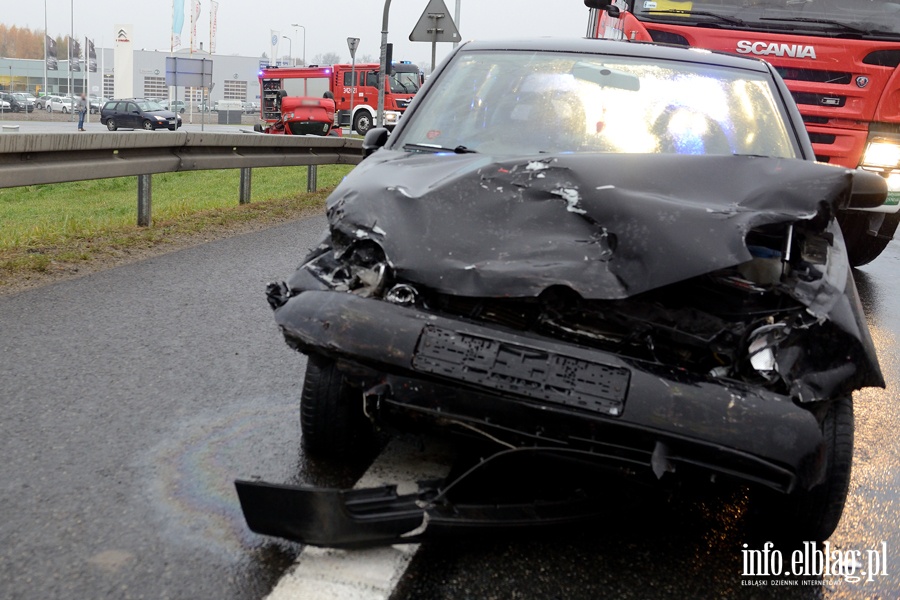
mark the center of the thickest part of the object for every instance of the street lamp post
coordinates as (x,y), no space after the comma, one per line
(296,27)
(290,49)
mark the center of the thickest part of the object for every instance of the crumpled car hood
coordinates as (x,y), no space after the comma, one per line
(607,226)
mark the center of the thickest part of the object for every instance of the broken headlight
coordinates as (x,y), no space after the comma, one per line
(361,269)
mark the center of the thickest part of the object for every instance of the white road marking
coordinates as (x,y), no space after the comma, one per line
(372,574)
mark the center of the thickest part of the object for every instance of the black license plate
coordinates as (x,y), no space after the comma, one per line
(523,370)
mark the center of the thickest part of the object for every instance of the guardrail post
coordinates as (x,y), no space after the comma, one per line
(312,175)
(144,197)
(246,173)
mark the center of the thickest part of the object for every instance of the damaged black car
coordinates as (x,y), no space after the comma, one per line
(603,252)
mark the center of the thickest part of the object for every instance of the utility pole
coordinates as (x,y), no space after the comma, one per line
(455,20)
(382,72)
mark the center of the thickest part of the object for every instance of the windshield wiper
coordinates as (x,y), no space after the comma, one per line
(843,26)
(436,148)
(701,13)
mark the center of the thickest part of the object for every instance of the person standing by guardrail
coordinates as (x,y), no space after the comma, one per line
(81,108)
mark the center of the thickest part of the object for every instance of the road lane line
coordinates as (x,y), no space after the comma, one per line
(371,574)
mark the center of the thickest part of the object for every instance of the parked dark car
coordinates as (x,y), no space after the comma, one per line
(137,113)
(18,102)
(589,253)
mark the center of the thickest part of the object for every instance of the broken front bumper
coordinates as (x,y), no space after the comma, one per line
(626,411)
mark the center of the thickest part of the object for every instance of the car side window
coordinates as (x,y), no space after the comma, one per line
(131,107)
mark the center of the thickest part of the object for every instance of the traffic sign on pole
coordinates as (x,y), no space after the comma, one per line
(353,44)
(435,25)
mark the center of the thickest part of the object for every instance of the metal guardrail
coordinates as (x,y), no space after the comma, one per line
(41,158)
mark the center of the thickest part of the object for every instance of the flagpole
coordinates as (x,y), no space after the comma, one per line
(172,50)
(46,35)
(70,48)
(86,82)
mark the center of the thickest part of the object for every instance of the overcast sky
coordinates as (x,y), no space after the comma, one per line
(243,28)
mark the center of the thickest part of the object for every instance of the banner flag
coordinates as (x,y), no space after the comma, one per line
(90,55)
(213,17)
(195,16)
(177,22)
(52,60)
(74,55)
(275,37)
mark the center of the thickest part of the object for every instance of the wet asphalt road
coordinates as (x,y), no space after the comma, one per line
(131,399)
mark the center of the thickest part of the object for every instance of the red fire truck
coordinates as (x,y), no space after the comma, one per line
(839,58)
(314,81)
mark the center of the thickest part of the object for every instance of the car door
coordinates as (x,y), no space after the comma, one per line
(134,120)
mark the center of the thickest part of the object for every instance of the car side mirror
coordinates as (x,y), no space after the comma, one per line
(375,139)
(869,190)
(137,112)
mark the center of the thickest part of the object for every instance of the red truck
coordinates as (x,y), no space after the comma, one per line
(839,60)
(355,105)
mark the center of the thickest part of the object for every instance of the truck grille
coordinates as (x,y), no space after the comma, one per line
(836,77)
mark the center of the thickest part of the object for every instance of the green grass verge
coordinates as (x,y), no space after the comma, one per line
(76,222)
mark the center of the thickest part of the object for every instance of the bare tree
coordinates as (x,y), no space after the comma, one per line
(328,58)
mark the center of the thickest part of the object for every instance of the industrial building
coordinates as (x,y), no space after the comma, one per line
(234,77)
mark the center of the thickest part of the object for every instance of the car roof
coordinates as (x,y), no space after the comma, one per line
(622,48)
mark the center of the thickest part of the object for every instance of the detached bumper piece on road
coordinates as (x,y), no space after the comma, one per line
(381,516)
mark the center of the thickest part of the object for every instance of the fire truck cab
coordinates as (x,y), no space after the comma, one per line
(356,100)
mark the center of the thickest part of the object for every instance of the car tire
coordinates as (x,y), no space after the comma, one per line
(812,515)
(332,422)
(65,110)
(49,109)
(863,248)
(181,111)
(147,125)
(362,122)
(111,124)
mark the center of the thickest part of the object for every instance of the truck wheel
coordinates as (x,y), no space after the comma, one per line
(111,124)
(863,248)
(362,122)
(812,515)
(332,421)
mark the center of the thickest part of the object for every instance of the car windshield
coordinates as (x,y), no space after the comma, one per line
(148,106)
(20,96)
(850,18)
(514,102)
(404,83)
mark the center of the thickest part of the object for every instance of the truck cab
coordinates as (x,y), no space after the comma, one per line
(839,60)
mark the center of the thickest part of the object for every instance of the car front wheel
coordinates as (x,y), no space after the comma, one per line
(111,124)
(148,125)
(332,421)
(812,515)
